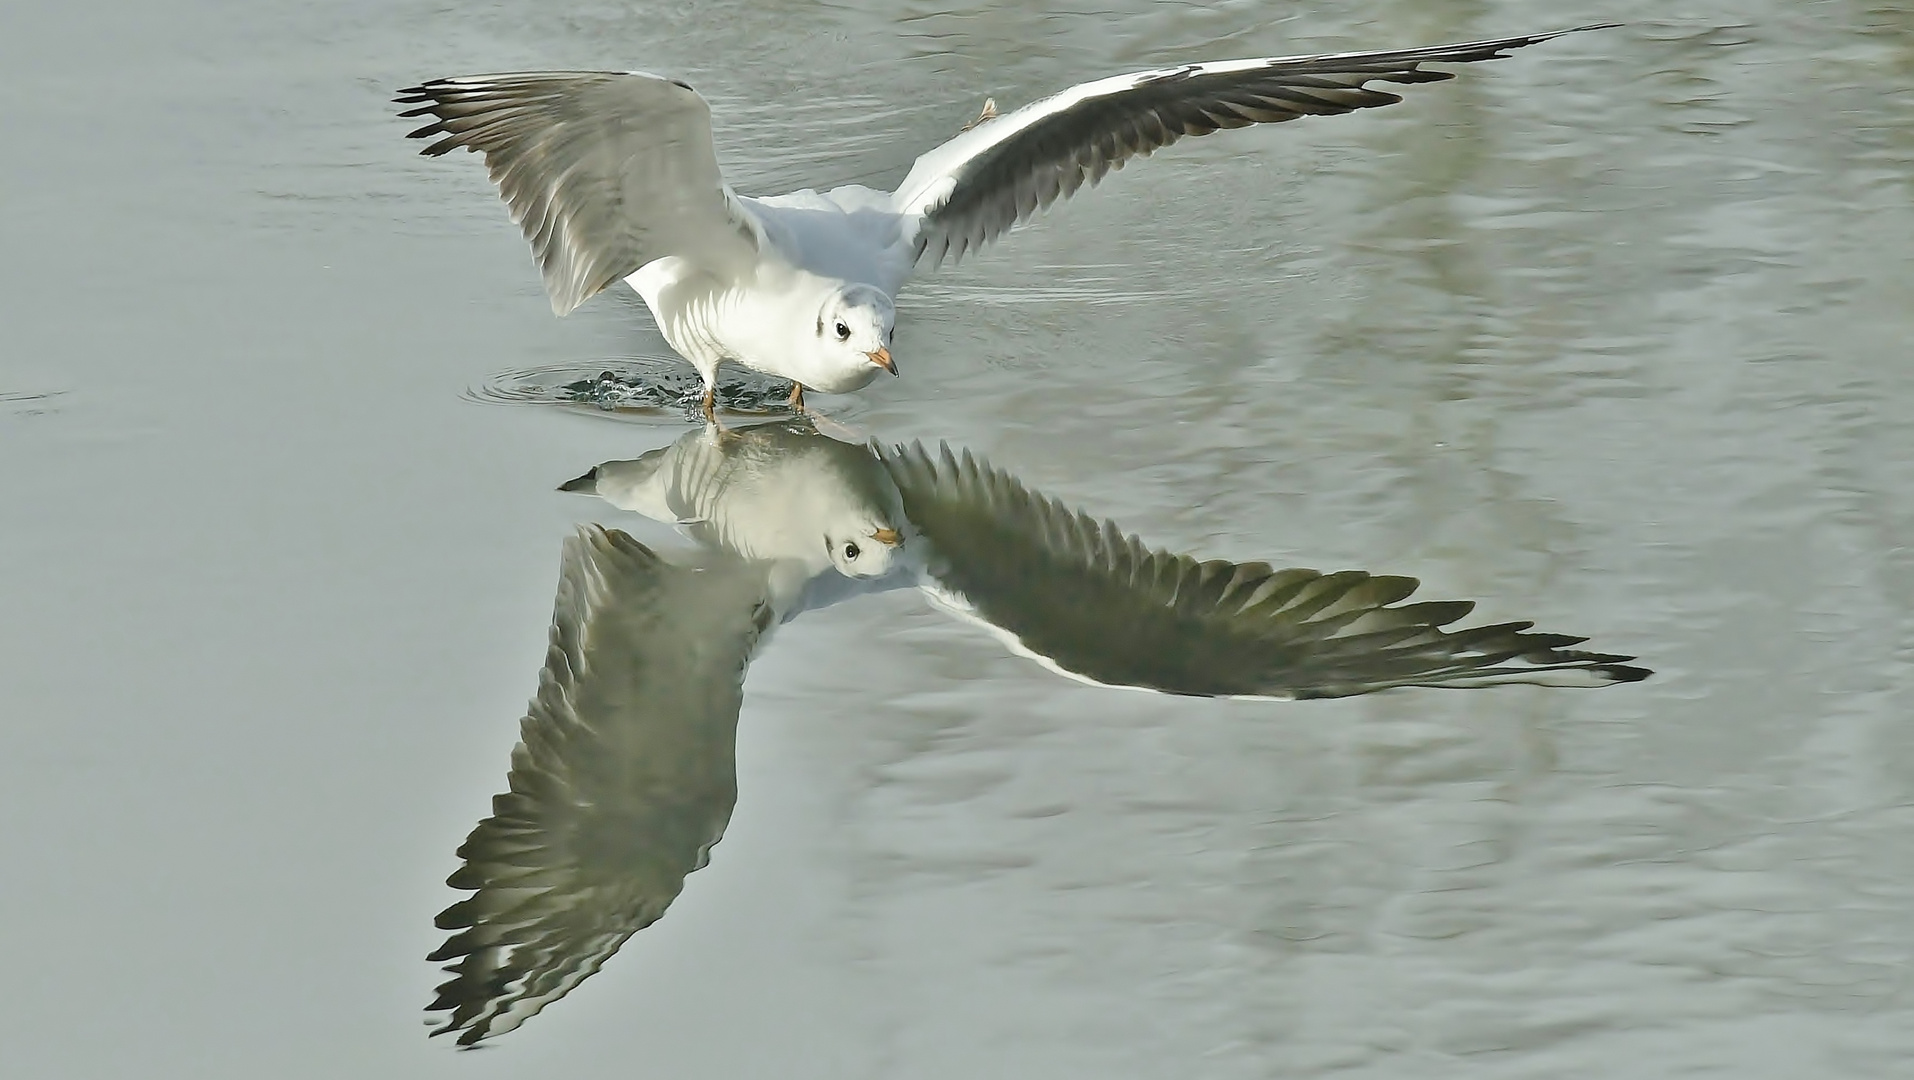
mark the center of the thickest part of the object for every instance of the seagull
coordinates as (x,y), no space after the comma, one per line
(624,777)
(613,176)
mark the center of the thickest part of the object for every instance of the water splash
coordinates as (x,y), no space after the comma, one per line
(634,388)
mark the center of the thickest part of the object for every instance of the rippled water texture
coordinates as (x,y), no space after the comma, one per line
(1611,335)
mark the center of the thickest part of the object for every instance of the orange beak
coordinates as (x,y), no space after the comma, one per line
(882,358)
(888,537)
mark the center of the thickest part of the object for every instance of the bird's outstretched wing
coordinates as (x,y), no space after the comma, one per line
(1083,597)
(604,171)
(624,779)
(971,189)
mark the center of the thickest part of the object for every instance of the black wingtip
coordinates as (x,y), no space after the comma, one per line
(1551,35)
(1626,672)
(426,93)
(587,483)
(1502,48)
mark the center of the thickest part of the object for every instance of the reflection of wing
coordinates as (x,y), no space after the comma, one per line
(624,778)
(1099,605)
(999,172)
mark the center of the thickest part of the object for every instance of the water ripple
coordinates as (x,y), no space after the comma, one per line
(632,388)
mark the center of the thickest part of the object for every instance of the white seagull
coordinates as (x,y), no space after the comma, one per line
(624,778)
(613,175)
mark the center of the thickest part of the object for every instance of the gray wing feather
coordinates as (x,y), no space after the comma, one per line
(1006,169)
(1101,605)
(624,779)
(604,171)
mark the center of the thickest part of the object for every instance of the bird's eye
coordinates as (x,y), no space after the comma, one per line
(851,552)
(843,332)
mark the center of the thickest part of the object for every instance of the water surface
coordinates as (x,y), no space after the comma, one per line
(1611,335)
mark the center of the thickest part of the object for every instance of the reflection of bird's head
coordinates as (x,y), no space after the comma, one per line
(866,549)
(846,495)
(780,490)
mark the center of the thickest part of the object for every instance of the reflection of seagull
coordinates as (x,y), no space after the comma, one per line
(774,491)
(624,777)
(613,175)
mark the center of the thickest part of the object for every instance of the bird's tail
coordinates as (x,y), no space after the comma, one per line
(586,484)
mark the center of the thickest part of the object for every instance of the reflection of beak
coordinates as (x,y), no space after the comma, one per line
(888,537)
(882,358)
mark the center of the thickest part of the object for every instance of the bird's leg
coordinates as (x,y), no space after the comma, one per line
(711,405)
(989,113)
(797,396)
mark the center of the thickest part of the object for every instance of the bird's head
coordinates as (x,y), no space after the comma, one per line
(865,550)
(853,332)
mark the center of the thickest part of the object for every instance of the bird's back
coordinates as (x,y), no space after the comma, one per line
(848,233)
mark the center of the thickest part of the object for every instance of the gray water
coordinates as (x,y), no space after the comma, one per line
(1610,335)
